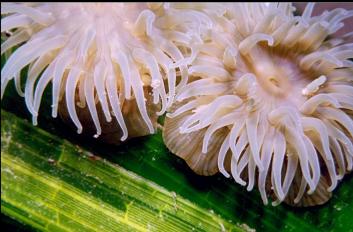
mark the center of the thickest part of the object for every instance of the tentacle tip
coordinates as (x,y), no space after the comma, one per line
(179,98)
(297,200)
(182,130)
(80,104)
(271,42)
(108,118)
(79,130)
(35,120)
(276,203)
(331,188)
(124,137)
(225,173)
(152,130)
(161,112)
(241,182)
(264,199)
(310,191)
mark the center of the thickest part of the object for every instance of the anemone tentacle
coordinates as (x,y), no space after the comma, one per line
(283,106)
(99,53)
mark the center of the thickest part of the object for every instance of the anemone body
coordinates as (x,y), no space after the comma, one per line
(269,102)
(107,54)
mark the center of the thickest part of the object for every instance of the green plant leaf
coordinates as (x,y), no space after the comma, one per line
(53,185)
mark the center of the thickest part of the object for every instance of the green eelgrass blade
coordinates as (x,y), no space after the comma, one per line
(52,185)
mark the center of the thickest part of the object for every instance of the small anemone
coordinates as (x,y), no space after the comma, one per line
(269,102)
(114,57)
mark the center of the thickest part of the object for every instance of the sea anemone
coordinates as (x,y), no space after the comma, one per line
(269,103)
(104,60)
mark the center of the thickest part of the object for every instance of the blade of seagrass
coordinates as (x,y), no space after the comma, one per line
(53,185)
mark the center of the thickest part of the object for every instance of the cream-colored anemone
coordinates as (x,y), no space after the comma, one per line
(269,102)
(114,56)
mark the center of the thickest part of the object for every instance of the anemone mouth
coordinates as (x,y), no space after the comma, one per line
(277,71)
(278,94)
(96,52)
